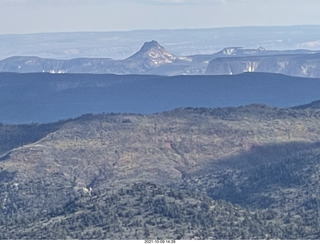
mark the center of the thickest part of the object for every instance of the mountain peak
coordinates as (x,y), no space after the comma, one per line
(150,45)
(152,54)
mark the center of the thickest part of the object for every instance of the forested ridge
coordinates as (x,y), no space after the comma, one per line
(250,172)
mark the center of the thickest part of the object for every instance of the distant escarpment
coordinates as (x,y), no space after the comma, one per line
(303,65)
(154,59)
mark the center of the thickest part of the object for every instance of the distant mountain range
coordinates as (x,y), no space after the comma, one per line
(153,58)
(182,42)
(44,97)
(302,65)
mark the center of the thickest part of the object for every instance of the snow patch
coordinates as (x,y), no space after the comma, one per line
(57,71)
(307,68)
(187,59)
(283,65)
(229,51)
(251,66)
(313,44)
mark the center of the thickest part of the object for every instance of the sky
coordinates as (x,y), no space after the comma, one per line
(36,16)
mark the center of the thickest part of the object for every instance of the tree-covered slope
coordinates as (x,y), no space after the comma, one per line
(249,172)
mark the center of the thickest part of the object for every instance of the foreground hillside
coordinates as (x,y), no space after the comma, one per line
(250,172)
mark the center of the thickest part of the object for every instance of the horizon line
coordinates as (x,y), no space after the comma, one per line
(163,29)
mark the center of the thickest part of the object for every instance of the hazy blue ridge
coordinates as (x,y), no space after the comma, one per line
(43,97)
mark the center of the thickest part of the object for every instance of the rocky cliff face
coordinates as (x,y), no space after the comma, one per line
(304,65)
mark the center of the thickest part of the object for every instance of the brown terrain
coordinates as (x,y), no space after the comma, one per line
(189,148)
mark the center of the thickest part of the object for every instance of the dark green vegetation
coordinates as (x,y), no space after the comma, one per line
(12,136)
(250,172)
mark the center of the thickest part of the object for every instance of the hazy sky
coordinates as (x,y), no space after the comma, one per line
(33,16)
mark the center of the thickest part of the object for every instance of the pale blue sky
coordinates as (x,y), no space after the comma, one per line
(33,16)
